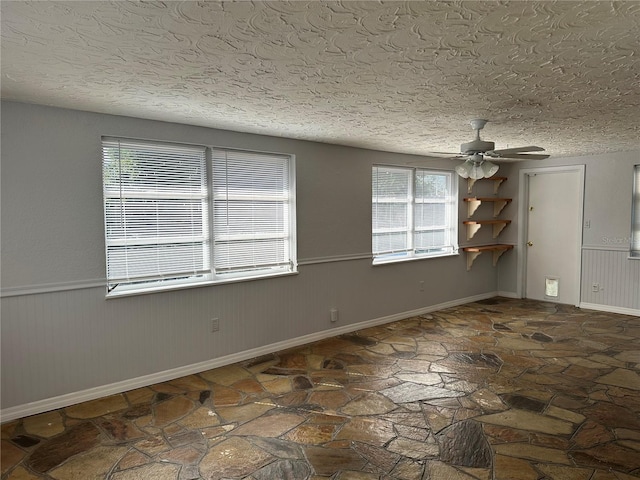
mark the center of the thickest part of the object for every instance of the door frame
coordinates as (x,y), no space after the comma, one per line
(523,224)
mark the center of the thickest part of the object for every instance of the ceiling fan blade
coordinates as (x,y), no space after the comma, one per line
(506,151)
(519,156)
(443,154)
(422,163)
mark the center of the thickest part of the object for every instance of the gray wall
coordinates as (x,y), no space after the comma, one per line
(60,335)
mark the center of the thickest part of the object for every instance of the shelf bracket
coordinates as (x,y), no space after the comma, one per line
(497,228)
(473,203)
(472,206)
(472,229)
(470,183)
(497,182)
(474,226)
(471,257)
(474,252)
(496,255)
(498,206)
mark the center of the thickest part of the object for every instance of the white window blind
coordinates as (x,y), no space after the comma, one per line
(156,211)
(392,211)
(635,224)
(433,231)
(252,221)
(414,213)
(179,215)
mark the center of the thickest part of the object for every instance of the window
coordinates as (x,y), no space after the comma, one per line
(414,213)
(635,223)
(180,215)
(251,212)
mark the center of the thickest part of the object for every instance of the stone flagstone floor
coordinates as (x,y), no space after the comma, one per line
(501,389)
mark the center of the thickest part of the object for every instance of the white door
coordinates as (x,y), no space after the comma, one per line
(554,235)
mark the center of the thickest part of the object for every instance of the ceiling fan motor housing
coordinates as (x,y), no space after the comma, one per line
(477,146)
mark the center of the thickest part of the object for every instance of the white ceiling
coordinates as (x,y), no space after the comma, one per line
(395,76)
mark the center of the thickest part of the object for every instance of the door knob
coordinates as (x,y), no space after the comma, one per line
(530,243)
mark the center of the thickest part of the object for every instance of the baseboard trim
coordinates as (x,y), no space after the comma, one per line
(610,309)
(66,400)
(508,294)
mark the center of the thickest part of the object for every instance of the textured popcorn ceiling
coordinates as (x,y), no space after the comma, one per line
(396,76)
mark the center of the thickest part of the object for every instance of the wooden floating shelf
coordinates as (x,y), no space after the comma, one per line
(474,225)
(474,202)
(498,181)
(475,252)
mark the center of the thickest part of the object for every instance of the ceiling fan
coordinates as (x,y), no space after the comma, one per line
(478,152)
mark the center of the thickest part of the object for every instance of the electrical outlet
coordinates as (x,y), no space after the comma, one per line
(333,315)
(215,324)
(421,285)
(595,287)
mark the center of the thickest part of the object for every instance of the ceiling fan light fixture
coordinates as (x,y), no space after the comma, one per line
(476,169)
(476,172)
(464,169)
(489,169)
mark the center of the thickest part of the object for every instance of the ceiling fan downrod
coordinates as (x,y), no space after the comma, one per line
(478,145)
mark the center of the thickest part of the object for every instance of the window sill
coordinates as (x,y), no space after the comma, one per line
(130,292)
(414,259)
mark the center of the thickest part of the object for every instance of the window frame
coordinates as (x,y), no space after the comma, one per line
(211,276)
(634,244)
(412,252)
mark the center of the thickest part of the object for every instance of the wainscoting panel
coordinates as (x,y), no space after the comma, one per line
(617,278)
(58,343)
